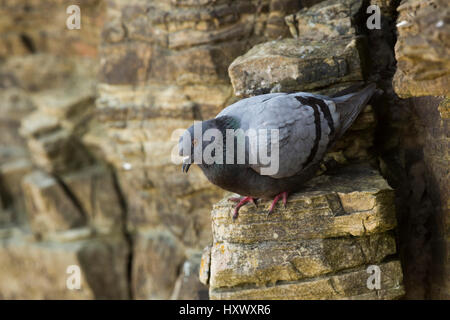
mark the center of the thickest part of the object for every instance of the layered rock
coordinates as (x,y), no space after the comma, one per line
(164,64)
(96,194)
(40,270)
(347,285)
(425,219)
(81,198)
(290,65)
(53,130)
(59,197)
(14,158)
(319,247)
(423,49)
(60,205)
(40,26)
(422,74)
(305,64)
(335,19)
(325,56)
(157,258)
(49,208)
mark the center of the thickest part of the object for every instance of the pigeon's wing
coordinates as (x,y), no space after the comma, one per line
(287,132)
(243,106)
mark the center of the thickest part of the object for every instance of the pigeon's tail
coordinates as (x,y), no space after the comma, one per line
(350,105)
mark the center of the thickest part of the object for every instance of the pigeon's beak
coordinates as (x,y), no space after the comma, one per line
(186,164)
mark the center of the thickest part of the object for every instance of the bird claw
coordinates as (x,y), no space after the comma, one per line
(244,200)
(241,202)
(282,195)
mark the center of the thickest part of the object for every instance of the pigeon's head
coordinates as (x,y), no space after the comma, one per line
(186,147)
(192,143)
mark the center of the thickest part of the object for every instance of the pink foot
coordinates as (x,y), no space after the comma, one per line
(284,195)
(241,202)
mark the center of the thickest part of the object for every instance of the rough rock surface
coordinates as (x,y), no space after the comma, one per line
(187,285)
(349,285)
(422,74)
(39,270)
(40,26)
(326,237)
(48,207)
(163,64)
(60,205)
(305,64)
(329,19)
(289,65)
(423,49)
(424,217)
(411,134)
(157,258)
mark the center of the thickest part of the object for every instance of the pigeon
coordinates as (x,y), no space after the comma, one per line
(300,127)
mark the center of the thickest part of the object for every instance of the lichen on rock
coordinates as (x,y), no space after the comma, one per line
(330,231)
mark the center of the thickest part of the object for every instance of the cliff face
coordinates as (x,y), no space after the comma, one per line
(322,244)
(163,65)
(60,204)
(416,161)
(87,118)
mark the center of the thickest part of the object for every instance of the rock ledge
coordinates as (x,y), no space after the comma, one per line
(318,247)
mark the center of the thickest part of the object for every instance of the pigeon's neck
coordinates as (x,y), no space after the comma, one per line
(223,124)
(226,122)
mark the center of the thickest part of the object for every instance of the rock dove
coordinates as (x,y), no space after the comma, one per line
(307,125)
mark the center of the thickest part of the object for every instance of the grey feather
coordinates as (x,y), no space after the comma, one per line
(295,122)
(308,126)
(350,105)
